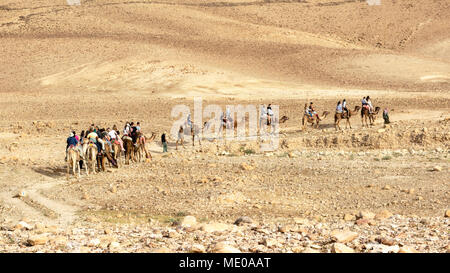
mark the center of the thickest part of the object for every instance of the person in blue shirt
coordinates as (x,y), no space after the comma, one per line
(339,108)
(72,141)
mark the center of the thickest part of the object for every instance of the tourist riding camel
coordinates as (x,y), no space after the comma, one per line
(73,142)
(269,114)
(311,116)
(73,154)
(339,115)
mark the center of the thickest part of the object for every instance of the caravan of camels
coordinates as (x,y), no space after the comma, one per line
(93,148)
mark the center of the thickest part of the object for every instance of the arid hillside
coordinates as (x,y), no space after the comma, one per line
(228,48)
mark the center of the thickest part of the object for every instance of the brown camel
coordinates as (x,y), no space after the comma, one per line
(129,149)
(73,161)
(105,157)
(345,115)
(365,114)
(313,120)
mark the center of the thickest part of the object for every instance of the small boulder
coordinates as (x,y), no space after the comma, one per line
(243,220)
(197,248)
(188,221)
(343,236)
(341,248)
(37,240)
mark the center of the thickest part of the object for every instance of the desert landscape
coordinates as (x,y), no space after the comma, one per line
(382,189)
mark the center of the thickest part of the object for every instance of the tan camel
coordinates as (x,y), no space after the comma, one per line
(344,115)
(365,114)
(90,157)
(313,120)
(73,161)
(141,148)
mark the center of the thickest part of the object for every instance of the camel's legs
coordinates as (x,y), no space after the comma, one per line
(86,167)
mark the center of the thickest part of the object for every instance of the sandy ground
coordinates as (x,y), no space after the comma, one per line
(107,62)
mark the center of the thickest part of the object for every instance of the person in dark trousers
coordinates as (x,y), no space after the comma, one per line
(164,142)
(386,116)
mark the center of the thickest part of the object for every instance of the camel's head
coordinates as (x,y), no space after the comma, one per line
(377,109)
(357,108)
(284,119)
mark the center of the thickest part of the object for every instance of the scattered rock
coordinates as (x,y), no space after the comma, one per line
(384,214)
(246,167)
(224,247)
(23,225)
(407,249)
(366,215)
(343,236)
(197,248)
(436,169)
(243,220)
(37,240)
(447,213)
(188,221)
(349,217)
(341,248)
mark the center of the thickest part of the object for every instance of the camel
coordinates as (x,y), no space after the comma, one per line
(308,119)
(104,157)
(90,157)
(371,116)
(140,150)
(129,149)
(117,153)
(346,116)
(73,161)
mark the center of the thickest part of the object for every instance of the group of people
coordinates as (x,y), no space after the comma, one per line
(367,103)
(102,136)
(310,111)
(341,108)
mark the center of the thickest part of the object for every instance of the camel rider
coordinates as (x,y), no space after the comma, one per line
(369,103)
(73,142)
(307,112)
(113,135)
(105,136)
(126,129)
(344,106)
(133,133)
(93,137)
(339,108)
(188,120)
(312,111)
(269,114)
(262,114)
(138,126)
(223,119)
(228,116)
(363,105)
